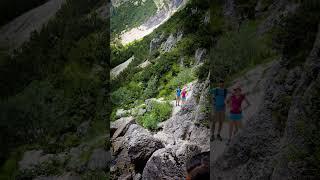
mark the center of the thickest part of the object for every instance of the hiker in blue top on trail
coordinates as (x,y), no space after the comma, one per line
(178,95)
(219,96)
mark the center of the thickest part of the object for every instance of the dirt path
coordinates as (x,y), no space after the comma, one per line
(175,108)
(251,84)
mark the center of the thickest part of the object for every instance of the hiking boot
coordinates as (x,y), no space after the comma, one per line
(228,142)
(219,137)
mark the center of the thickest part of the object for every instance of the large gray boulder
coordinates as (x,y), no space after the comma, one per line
(141,145)
(169,162)
(122,126)
(120,123)
(133,150)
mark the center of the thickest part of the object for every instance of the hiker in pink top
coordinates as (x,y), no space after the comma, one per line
(235,102)
(184,96)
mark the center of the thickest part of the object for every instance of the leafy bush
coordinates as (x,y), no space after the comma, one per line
(126,95)
(151,89)
(203,71)
(184,77)
(56,80)
(159,112)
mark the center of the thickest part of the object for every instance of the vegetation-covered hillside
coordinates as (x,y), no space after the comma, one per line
(131,14)
(52,84)
(134,85)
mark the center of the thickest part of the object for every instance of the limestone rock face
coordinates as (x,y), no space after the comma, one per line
(121,126)
(155,43)
(169,162)
(163,154)
(288,110)
(171,42)
(114,125)
(141,147)
(18,30)
(200,55)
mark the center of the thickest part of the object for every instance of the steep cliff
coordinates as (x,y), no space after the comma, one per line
(280,140)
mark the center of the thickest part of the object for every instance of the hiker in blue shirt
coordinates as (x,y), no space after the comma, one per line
(178,94)
(219,96)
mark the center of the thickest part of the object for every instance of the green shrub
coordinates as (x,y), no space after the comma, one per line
(203,71)
(159,112)
(151,89)
(126,95)
(184,77)
(149,121)
(162,110)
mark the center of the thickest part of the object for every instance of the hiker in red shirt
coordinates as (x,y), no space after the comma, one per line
(235,102)
(184,95)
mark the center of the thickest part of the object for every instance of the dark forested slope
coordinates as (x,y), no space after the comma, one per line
(53,83)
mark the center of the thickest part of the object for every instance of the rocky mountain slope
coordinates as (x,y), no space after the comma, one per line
(152,138)
(18,30)
(140,27)
(139,153)
(279,138)
(163,13)
(54,87)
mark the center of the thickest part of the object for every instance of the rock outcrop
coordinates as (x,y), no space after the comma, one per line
(200,54)
(165,10)
(118,69)
(171,42)
(162,155)
(268,145)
